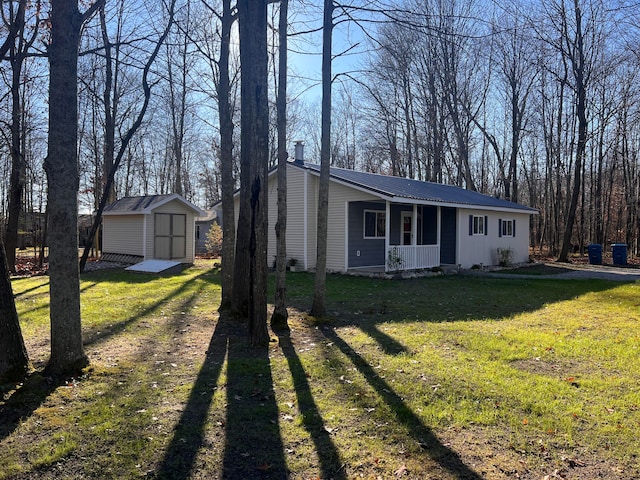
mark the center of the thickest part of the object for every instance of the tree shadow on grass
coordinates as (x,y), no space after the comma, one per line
(35,388)
(27,398)
(331,465)
(252,446)
(189,433)
(387,343)
(102,333)
(33,289)
(448,459)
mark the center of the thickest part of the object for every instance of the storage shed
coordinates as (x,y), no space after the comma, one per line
(150,227)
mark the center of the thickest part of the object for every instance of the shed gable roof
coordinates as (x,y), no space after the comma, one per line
(405,188)
(146,204)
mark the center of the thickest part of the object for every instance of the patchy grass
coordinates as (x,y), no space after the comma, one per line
(441,378)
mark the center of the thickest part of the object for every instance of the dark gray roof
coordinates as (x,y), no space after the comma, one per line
(145,205)
(134,204)
(409,189)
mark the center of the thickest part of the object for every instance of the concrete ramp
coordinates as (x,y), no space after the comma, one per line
(156,266)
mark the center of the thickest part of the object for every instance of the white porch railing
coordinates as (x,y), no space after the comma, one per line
(411,257)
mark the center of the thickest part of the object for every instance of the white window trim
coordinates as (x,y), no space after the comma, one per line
(507,228)
(476,223)
(364,224)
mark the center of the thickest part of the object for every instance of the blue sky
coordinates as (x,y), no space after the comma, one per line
(305,51)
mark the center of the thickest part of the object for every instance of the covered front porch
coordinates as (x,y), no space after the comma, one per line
(395,237)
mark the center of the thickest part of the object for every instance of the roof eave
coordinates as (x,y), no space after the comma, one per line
(471,206)
(149,209)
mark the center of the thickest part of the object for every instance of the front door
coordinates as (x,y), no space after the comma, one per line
(448,236)
(406,225)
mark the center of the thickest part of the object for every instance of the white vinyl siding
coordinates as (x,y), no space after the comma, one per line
(295,216)
(339,195)
(477,249)
(122,234)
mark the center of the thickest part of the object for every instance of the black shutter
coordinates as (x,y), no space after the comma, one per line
(514,227)
(499,227)
(486,225)
(470,224)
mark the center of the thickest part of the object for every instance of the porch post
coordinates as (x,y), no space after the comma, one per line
(414,236)
(387,229)
(414,226)
(439,219)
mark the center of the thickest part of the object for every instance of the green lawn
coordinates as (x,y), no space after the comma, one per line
(442,378)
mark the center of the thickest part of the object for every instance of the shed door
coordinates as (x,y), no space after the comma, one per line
(170,236)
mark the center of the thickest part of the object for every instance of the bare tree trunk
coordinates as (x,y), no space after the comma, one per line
(226,160)
(254,154)
(18,46)
(280,314)
(14,361)
(178,104)
(61,165)
(318,308)
(109,111)
(18,167)
(578,64)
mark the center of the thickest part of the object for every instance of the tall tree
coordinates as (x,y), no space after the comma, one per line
(18,51)
(110,101)
(61,166)
(574,47)
(280,314)
(318,308)
(254,158)
(225,117)
(14,360)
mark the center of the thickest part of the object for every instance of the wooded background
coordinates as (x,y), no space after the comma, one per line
(532,101)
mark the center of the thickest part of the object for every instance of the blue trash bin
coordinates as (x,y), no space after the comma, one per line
(619,253)
(595,254)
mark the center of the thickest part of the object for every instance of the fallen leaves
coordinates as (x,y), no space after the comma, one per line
(402,471)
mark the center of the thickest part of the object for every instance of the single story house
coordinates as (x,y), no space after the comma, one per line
(150,227)
(384,223)
(203,224)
